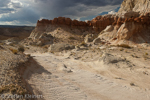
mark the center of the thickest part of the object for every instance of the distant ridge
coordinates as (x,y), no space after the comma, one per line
(13,26)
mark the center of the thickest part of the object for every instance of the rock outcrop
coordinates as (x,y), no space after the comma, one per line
(101,22)
(128,30)
(61,21)
(61,26)
(141,6)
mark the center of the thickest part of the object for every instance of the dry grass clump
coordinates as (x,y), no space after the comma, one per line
(83,44)
(132,84)
(121,49)
(21,49)
(12,44)
(124,46)
(146,53)
(2,43)
(28,55)
(126,51)
(13,88)
(13,50)
(46,46)
(145,56)
(71,38)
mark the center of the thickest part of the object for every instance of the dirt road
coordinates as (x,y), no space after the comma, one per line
(63,78)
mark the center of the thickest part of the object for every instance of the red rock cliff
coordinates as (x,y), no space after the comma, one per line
(98,24)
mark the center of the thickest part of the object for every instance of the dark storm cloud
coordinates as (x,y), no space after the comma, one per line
(6,10)
(55,8)
(68,3)
(4,3)
(32,10)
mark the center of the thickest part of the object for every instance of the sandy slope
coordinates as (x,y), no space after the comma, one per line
(62,78)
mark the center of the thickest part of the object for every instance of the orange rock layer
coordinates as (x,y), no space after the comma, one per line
(98,24)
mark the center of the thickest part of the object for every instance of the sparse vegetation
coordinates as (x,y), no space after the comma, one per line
(132,84)
(46,46)
(52,52)
(83,44)
(146,53)
(126,51)
(145,57)
(135,56)
(124,46)
(28,55)
(13,50)
(13,88)
(12,44)
(21,49)
(71,38)
(2,43)
(121,49)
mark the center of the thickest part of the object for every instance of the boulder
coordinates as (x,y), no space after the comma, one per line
(131,14)
(89,38)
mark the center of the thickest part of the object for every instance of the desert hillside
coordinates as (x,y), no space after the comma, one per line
(19,32)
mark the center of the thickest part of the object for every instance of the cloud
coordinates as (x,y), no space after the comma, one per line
(6,10)
(25,11)
(111,12)
(15,5)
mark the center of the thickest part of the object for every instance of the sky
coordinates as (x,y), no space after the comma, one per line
(27,12)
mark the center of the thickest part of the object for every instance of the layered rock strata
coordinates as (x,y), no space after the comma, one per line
(129,29)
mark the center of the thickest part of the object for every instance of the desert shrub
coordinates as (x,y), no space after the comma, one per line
(121,49)
(21,49)
(126,51)
(124,46)
(27,48)
(71,38)
(132,84)
(28,55)
(13,50)
(2,43)
(83,44)
(12,44)
(145,57)
(146,53)
(46,46)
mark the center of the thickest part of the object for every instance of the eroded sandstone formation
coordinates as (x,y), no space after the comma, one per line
(61,21)
(98,24)
(101,22)
(141,6)
(127,29)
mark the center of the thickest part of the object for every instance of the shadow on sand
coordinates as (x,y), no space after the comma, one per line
(26,71)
